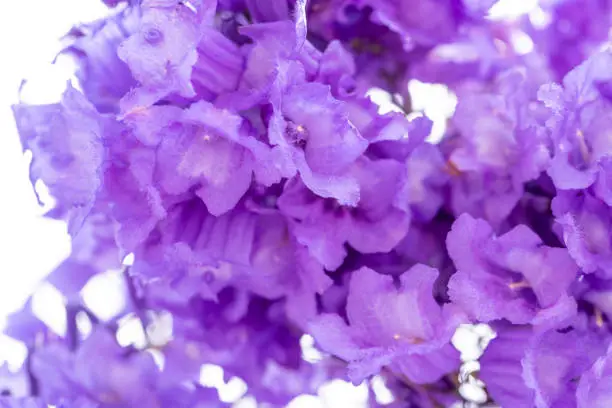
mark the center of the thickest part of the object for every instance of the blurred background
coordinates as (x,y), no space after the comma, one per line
(30,245)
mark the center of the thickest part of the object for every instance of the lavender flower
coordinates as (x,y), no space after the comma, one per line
(511,277)
(371,341)
(269,219)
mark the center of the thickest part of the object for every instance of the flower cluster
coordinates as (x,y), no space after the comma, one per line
(226,157)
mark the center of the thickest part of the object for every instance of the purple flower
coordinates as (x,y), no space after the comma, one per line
(499,148)
(585,228)
(226,156)
(126,379)
(217,155)
(593,388)
(218,67)
(379,333)
(554,361)
(309,129)
(268,11)
(425,22)
(192,252)
(22,403)
(278,57)
(500,365)
(66,142)
(103,77)
(337,69)
(24,326)
(129,195)
(513,276)
(376,224)
(378,52)
(603,184)
(129,378)
(250,338)
(162,52)
(426,179)
(423,244)
(280,265)
(578,124)
(313,129)
(390,136)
